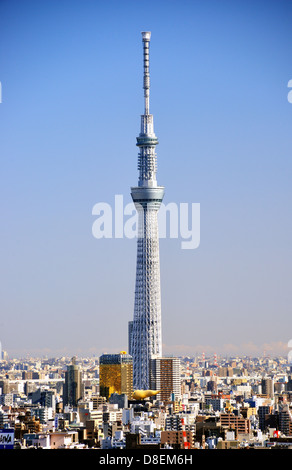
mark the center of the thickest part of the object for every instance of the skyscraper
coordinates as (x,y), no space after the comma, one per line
(165,376)
(268,387)
(146,341)
(116,374)
(73,384)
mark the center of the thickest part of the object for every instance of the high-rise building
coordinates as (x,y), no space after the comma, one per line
(165,376)
(116,374)
(268,387)
(263,412)
(4,386)
(72,391)
(146,339)
(285,420)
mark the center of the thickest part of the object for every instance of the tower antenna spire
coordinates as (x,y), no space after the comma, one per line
(146,36)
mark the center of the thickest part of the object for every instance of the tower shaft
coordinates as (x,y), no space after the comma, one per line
(146,339)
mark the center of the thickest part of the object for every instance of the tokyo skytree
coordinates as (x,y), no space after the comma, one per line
(146,340)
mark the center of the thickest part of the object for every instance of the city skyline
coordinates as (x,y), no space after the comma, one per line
(70,99)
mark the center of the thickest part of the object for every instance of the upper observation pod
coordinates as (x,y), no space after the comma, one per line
(146,35)
(147,140)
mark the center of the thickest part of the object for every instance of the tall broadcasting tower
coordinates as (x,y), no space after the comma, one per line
(146,339)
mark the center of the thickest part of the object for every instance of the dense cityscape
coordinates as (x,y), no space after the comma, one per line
(220,403)
(143,398)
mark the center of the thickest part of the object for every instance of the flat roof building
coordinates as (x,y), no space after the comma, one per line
(116,374)
(165,376)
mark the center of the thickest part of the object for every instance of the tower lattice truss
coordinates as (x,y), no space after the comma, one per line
(146,340)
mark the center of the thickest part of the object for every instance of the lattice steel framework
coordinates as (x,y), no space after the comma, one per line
(146,341)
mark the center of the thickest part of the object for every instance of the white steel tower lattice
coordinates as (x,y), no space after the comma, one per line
(146,339)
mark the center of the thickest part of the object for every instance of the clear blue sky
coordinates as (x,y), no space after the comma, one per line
(71,75)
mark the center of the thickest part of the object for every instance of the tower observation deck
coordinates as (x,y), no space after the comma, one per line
(146,339)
